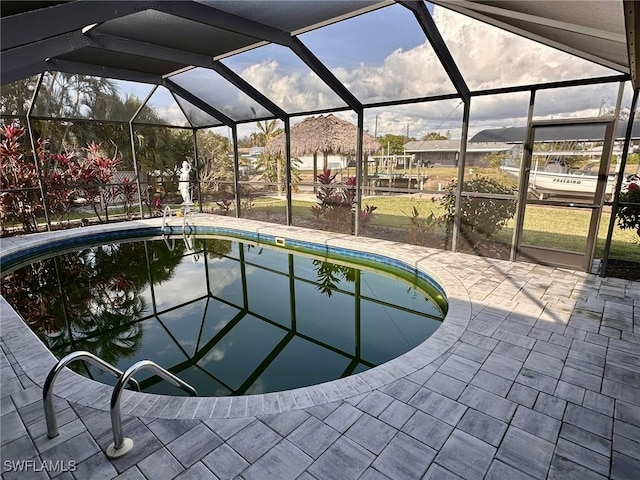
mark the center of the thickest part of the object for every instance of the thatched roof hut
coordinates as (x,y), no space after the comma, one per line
(323,134)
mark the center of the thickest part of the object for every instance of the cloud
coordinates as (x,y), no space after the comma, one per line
(172,114)
(487,58)
(295,91)
(187,283)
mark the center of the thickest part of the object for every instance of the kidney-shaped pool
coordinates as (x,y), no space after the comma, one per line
(228,316)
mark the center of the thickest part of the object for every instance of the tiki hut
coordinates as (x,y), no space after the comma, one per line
(327,135)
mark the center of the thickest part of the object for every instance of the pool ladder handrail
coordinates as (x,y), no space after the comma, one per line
(186,210)
(122,445)
(167,212)
(47,391)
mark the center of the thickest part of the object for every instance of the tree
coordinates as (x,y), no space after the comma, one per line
(393,144)
(271,165)
(268,130)
(86,300)
(161,149)
(15,97)
(246,142)
(215,164)
(494,159)
(434,136)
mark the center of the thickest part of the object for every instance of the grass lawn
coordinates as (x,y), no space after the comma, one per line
(551,227)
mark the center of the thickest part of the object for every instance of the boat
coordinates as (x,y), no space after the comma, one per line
(556,178)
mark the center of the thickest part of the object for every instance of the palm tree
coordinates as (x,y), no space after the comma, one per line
(269,130)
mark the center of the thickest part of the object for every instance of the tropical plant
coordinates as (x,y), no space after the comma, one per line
(59,178)
(127,190)
(267,131)
(95,172)
(331,274)
(271,165)
(20,199)
(336,203)
(480,217)
(421,227)
(224,205)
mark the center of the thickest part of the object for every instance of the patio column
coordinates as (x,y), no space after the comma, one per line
(359,157)
(616,193)
(196,164)
(287,166)
(134,157)
(136,170)
(523,186)
(36,161)
(461,164)
(236,168)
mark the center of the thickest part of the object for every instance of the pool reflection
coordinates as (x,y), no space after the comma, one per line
(228,317)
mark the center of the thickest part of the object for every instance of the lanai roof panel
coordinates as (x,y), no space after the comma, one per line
(296,15)
(217,92)
(391,59)
(160,28)
(284,79)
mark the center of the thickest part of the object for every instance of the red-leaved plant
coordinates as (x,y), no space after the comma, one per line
(95,171)
(336,203)
(20,196)
(65,177)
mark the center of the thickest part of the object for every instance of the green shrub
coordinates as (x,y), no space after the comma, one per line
(480,217)
(629,215)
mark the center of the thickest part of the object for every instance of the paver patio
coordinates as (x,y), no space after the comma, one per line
(544,382)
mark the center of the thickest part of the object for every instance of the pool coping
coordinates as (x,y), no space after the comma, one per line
(36,360)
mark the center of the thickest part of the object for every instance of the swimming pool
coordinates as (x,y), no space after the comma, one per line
(229,316)
(35,359)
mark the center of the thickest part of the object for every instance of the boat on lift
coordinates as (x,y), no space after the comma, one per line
(556,178)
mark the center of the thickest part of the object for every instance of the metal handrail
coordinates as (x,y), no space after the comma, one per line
(186,210)
(167,211)
(170,246)
(122,445)
(47,392)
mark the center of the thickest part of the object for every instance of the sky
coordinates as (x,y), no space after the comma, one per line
(384,55)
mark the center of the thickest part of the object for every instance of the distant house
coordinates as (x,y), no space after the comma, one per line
(446,153)
(250,154)
(333,161)
(566,139)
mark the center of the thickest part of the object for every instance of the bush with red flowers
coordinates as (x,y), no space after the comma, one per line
(628,214)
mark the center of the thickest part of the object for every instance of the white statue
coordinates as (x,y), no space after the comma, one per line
(183,187)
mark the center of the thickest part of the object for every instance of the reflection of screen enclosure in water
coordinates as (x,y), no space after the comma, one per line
(229,318)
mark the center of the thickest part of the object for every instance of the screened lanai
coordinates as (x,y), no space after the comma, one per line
(153,84)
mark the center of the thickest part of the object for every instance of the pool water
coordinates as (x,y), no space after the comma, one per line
(226,316)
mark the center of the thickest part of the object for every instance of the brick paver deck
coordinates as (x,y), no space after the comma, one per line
(542,382)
